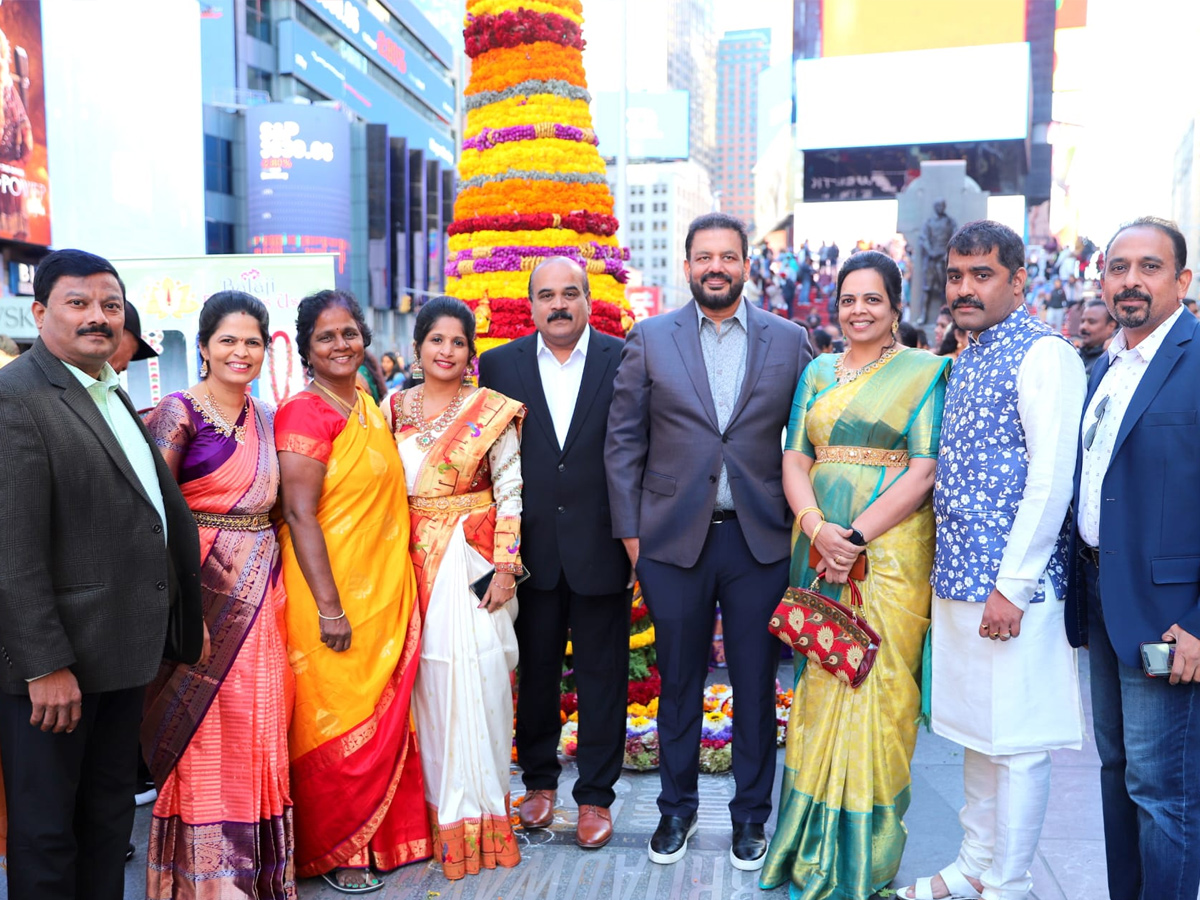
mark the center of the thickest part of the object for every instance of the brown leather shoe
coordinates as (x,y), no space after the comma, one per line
(536,809)
(595,827)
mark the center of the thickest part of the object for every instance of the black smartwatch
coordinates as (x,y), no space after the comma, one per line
(856,537)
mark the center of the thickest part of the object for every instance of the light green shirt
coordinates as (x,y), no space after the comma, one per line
(139,453)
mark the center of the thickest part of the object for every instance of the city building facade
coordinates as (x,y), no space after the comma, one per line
(332,126)
(741,57)
(664,198)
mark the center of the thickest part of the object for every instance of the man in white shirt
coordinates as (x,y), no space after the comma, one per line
(1136,572)
(578,573)
(1005,683)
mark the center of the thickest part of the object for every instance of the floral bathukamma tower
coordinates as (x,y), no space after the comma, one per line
(531,182)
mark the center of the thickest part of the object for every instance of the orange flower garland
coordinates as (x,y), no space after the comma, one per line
(532,183)
(500,197)
(542,61)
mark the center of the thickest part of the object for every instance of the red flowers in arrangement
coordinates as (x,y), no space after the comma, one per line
(516,27)
(644,691)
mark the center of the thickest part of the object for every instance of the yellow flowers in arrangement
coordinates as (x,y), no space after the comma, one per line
(562,156)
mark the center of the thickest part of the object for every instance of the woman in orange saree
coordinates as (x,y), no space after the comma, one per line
(215,734)
(353,622)
(461,453)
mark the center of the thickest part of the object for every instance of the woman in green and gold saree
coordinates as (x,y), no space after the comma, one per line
(858,471)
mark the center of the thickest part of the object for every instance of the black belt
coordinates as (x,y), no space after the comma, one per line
(723,515)
(1090,554)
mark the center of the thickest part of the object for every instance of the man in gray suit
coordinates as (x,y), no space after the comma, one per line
(694,457)
(99,577)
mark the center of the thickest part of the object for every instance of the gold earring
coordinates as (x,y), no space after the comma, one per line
(895,326)
(204,368)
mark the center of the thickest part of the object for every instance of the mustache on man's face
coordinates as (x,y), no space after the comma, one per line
(1132,294)
(560,314)
(95,329)
(966,303)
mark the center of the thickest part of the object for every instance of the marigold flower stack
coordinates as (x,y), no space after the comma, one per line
(531,182)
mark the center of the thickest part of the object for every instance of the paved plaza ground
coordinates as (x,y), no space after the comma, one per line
(1070,863)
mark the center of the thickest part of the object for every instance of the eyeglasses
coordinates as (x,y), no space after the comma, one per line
(1090,435)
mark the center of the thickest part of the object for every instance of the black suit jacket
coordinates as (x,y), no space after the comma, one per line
(565,522)
(86,580)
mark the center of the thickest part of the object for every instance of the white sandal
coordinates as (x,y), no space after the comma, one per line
(956,883)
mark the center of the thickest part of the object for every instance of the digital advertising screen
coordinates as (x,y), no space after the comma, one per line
(170,292)
(24,181)
(298,176)
(854,27)
(1000,72)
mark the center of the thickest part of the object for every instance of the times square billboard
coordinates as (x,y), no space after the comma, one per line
(24,182)
(298,169)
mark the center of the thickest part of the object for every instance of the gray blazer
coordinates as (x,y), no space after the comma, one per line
(664,450)
(86,580)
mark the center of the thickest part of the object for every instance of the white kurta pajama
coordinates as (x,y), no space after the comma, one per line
(1008,703)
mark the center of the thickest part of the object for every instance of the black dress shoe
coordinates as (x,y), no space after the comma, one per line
(749,848)
(669,842)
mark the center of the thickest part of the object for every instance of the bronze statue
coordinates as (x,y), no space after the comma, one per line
(935,236)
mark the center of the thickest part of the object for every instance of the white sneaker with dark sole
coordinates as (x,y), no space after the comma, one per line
(667,858)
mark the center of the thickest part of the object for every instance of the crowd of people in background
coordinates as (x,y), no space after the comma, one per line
(1063,290)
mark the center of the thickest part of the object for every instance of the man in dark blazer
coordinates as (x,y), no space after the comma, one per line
(579,574)
(1136,572)
(97,552)
(694,460)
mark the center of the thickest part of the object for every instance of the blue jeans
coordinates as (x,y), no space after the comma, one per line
(1148,737)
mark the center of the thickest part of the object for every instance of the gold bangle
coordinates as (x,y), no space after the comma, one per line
(816,531)
(804,512)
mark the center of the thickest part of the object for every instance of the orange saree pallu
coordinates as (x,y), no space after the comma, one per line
(465,501)
(215,735)
(356,771)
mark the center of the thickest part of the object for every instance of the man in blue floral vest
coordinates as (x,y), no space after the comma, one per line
(1005,682)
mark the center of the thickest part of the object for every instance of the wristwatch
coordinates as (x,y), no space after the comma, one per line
(856,537)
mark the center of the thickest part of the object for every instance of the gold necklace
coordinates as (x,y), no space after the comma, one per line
(216,418)
(845,376)
(430,428)
(342,404)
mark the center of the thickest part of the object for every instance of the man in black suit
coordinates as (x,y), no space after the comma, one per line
(99,573)
(579,574)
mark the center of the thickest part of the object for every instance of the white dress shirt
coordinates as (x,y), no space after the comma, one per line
(1125,370)
(138,451)
(1050,390)
(561,381)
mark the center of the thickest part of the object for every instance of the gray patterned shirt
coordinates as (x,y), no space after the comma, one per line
(725,361)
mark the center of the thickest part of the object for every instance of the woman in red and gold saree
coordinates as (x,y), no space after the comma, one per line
(215,734)
(463,469)
(356,772)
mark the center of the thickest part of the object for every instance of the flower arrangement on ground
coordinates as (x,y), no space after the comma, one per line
(641,743)
(716,730)
(783,709)
(532,183)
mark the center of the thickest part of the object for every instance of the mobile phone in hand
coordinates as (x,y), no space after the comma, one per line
(1157,658)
